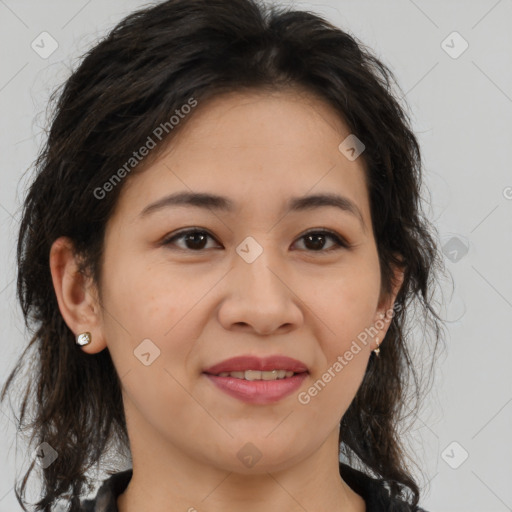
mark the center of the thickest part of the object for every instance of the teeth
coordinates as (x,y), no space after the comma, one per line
(258,375)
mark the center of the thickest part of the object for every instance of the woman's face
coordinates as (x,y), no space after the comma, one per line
(250,283)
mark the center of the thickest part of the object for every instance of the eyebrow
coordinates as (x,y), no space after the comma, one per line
(221,203)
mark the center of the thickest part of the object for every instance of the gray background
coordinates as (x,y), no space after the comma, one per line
(462,113)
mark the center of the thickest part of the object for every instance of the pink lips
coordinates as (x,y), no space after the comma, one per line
(258,391)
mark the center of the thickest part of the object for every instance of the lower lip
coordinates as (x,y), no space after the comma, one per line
(258,391)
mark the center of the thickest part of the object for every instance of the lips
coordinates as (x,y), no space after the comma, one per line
(269,363)
(258,389)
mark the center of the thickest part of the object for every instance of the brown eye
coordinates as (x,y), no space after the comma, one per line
(194,239)
(315,241)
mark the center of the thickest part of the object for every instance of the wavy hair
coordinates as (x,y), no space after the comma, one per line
(132,81)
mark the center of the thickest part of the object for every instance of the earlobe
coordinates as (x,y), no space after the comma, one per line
(78,306)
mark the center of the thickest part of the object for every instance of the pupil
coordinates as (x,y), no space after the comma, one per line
(194,238)
(315,245)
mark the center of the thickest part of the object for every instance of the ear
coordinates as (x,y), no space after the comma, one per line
(77,296)
(385,311)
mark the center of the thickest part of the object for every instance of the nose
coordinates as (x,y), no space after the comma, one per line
(260,298)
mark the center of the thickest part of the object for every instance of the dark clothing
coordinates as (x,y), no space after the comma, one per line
(370,489)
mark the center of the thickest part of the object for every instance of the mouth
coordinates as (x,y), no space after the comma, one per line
(258,380)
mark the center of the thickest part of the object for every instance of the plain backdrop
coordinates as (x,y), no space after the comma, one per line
(453,61)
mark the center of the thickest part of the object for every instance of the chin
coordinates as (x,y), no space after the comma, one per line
(256,458)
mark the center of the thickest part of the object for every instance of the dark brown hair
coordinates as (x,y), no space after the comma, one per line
(151,64)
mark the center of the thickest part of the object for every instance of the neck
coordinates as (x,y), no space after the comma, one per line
(313,483)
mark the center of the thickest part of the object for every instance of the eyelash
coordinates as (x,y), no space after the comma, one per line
(341,243)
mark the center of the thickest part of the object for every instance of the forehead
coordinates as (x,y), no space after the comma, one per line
(266,147)
(255,119)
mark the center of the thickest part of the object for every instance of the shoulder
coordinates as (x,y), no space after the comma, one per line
(374,492)
(106,497)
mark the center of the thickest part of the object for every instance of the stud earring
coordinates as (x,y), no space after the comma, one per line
(83,338)
(377,350)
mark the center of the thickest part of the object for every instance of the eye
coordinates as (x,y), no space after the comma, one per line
(195,239)
(316,239)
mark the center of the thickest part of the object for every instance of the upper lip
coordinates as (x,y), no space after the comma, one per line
(243,363)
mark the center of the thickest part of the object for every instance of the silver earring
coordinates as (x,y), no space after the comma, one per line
(83,338)
(377,350)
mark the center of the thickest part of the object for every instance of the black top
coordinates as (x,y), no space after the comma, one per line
(370,489)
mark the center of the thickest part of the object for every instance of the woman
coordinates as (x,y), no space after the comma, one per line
(219,253)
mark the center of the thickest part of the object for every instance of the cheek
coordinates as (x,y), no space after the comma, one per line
(347,307)
(153,305)
(141,295)
(331,392)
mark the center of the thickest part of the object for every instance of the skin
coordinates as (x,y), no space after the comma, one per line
(200,307)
